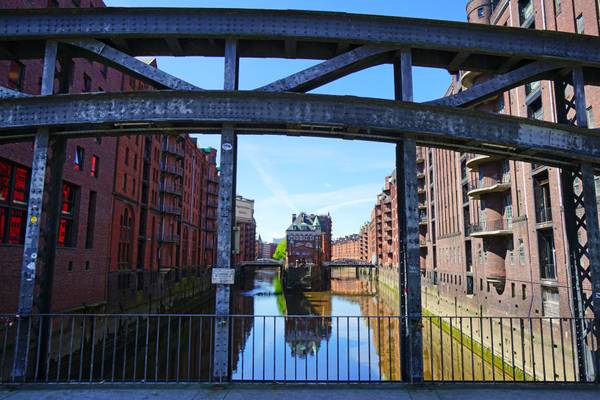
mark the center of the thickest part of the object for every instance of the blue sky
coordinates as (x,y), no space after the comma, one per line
(290,174)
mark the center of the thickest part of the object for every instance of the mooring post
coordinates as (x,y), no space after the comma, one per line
(411,346)
(32,229)
(591,219)
(223,273)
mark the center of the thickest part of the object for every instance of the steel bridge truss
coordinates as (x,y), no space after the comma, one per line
(345,43)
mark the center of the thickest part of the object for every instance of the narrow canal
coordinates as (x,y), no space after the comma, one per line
(346,332)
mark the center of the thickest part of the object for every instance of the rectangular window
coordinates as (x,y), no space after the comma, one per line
(91,219)
(14,186)
(557,6)
(524,291)
(16,74)
(104,70)
(94,166)
(580,22)
(79,158)
(512,289)
(67,216)
(124,186)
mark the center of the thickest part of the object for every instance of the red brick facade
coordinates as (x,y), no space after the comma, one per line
(137,203)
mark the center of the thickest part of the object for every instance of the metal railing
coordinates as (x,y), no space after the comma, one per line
(543,215)
(489,181)
(503,224)
(163,348)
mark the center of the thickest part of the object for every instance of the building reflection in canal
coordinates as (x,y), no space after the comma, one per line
(349,332)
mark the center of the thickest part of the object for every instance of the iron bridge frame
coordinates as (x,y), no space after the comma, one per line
(345,43)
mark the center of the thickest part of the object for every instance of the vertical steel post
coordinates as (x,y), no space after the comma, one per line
(591,217)
(34,212)
(226,217)
(411,341)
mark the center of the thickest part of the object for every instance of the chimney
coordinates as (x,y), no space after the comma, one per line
(293,218)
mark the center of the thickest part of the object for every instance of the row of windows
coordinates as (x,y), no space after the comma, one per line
(14,188)
(79,162)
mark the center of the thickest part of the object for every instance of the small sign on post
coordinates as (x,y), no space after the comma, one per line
(223,276)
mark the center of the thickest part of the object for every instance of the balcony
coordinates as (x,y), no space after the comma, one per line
(422,206)
(169,209)
(423,220)
(168,237)
(489,185)
(421,190)
(499,227)
(548,271)
(422,243)
(172,149)
(543,215)
(476,161)
(171,188)
(171,169)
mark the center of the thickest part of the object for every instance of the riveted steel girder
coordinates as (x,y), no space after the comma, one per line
(318,35)
(338,116)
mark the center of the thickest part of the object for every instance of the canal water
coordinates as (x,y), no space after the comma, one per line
(348,331)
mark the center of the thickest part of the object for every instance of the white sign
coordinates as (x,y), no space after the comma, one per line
(223,276)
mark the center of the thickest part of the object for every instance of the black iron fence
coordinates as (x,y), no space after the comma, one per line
(88,348)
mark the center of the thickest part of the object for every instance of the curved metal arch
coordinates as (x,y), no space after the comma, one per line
(262,33)
(327,116)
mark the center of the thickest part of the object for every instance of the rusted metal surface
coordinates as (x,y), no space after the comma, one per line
(330,70)
(366,119)
(226,221)
(129,65)
(279,33)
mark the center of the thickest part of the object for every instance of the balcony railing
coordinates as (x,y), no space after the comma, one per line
(171,188)
(171,169)
(498,226)
(169,209)
(172,149)
(489,181)
(543,215)
(168,238)
(548,271)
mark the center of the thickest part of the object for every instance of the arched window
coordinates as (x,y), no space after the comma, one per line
(125,229)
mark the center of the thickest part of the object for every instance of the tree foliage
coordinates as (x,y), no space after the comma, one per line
(280,251)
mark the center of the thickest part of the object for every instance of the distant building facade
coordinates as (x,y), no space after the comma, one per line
(308,239)
(245,230)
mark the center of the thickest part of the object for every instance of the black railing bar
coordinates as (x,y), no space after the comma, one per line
(512,350)
(369,344)
(502,348)
(441,348)
(562,349)
(274,349)
(317,353)
(135,351)
(553,354)
(358,340)
(81,348)
(92,354)
(451,350)
(124,325)
(114,352)
(168,364)
(264,332)
(178,348)
(389,335)
(157,347)
(542,349)
(431,347)
(472,350)
(462,353)
(71,348)
(532,349)
(337,330)
(48,349)
(146,349)
(200,347)
(493,352)
(482,350)
(38,350)
(253,346)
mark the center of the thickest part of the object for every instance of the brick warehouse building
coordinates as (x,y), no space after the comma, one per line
(353,247)
(308,239)
(159,215)
(491,233)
